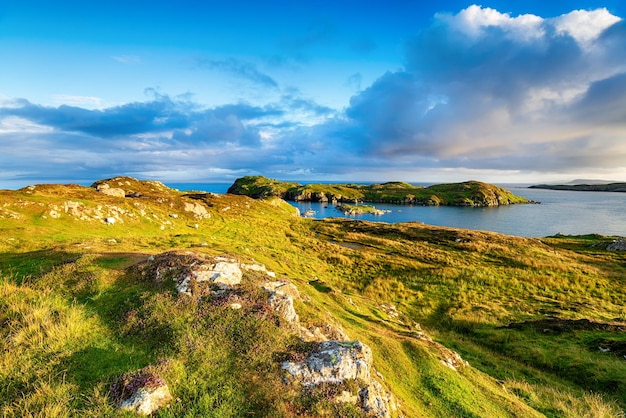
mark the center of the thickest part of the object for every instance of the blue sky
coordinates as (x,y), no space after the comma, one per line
(186,91)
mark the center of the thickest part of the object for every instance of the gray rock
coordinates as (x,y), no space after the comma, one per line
(376,401)
(282,295)
(333,363)
(146,400)
(617,245)
(225,273)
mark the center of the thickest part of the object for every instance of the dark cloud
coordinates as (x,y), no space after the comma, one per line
(238,68)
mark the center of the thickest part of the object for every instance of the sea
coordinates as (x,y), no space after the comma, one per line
(559,212)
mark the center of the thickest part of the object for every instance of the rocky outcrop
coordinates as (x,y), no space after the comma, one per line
(336,362)
(220,271)
(104,188)
(197,210)
(331,362)
(617,245)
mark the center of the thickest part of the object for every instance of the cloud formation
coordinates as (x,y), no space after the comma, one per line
(479,90)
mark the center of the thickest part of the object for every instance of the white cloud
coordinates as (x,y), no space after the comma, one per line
(475,21)
(585,26)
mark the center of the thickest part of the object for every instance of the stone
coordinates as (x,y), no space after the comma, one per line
(282,295)
(112,191)
(376,401)
(617,245)
(222,272)
(198,210)
(283,306)
(334,362)
(147,400)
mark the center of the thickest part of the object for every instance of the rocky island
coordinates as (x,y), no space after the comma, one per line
(469,193)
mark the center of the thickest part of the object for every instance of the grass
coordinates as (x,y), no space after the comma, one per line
(77,313)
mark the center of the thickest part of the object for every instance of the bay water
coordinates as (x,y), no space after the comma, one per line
(565,212)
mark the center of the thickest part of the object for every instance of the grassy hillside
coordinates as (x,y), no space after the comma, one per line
(540,322)
(470,193)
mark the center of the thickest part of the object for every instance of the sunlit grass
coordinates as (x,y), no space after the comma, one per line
(74,316)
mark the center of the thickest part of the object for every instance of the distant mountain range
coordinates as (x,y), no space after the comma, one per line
(585,186)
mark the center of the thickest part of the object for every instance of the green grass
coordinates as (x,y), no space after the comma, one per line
(77,313)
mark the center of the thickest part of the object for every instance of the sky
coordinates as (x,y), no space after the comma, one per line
(504,91)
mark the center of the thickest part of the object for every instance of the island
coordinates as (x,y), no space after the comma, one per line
(610,187)
(356,210)
(470,193)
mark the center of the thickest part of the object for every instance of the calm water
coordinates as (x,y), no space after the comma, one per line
(566,212)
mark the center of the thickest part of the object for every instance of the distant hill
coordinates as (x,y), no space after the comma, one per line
(611,187)
(590,181)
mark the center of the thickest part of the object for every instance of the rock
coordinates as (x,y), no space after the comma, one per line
(225,273)
(376,401)
(281,287)
(185,268)
(198,210)
(147,400)
(282,295)
(617,245)
(112,191)
(142,392)
(283,305)
(333,363)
